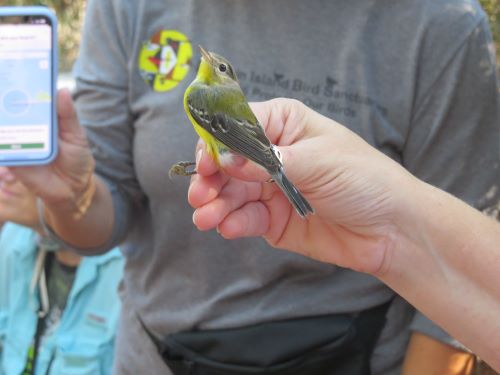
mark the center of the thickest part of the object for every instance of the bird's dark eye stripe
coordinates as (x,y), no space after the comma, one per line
(222,67)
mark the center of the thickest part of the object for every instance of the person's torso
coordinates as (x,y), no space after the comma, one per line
(83,339)
(343,60)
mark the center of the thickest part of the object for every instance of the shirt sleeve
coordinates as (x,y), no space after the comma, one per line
(101,97)
(454,139)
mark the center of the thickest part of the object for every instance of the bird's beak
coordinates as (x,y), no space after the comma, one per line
(206,55)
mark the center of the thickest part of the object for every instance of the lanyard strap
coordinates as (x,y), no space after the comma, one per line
(38,284)
(39,281)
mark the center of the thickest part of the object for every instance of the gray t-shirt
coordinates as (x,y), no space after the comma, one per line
(416,79)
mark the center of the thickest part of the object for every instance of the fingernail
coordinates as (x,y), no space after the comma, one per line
(199,154)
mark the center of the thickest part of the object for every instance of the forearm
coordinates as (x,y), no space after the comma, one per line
(446,263)
(89,229)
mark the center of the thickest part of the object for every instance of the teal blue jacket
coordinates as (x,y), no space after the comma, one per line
(83,343)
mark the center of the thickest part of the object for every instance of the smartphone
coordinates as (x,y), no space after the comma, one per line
(28,79)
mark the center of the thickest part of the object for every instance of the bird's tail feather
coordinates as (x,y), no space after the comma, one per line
(300,203)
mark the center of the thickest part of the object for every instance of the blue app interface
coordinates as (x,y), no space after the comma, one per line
(25,91)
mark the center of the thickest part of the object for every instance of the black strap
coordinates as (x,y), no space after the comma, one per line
(36,344)
(311,345)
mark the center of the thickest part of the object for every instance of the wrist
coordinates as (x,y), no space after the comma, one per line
(428,233)
(415,215)
(84,199)
(86,223)
(408,222)
(74,205)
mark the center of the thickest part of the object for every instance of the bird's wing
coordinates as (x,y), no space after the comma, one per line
(233,124)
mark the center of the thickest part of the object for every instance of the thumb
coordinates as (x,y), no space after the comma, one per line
(66,114)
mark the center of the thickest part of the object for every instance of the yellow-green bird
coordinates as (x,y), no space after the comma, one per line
(219,111)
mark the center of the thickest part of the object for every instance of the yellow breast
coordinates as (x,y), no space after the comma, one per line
(210,141)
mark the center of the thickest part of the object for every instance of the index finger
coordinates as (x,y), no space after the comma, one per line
(283,120)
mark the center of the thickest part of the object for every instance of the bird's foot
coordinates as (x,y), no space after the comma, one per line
(180,169)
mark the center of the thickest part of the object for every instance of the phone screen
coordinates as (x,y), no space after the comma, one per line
(26,89)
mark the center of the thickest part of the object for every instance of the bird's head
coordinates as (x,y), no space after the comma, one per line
(215,69)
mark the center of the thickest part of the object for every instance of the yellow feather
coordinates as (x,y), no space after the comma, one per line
(209,139)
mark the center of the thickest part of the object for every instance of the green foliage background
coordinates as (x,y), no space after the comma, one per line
(70,16)
(71,12)
(492,8)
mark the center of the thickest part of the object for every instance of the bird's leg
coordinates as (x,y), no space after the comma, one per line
(180,169)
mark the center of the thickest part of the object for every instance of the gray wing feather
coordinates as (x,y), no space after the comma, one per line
(239,135)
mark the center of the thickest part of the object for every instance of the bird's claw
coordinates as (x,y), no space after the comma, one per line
(180,169)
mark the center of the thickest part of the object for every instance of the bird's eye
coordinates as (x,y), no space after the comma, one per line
(222,68)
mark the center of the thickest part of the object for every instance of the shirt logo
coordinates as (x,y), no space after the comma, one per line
(165,59)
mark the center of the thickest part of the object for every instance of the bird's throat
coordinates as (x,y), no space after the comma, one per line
(205,72)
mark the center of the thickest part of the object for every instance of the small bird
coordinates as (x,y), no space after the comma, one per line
(220,114)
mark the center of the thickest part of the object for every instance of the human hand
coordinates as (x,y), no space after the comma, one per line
(17,204)
(66,182)
(355,190)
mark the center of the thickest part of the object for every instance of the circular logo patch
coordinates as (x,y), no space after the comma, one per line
(165,59)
